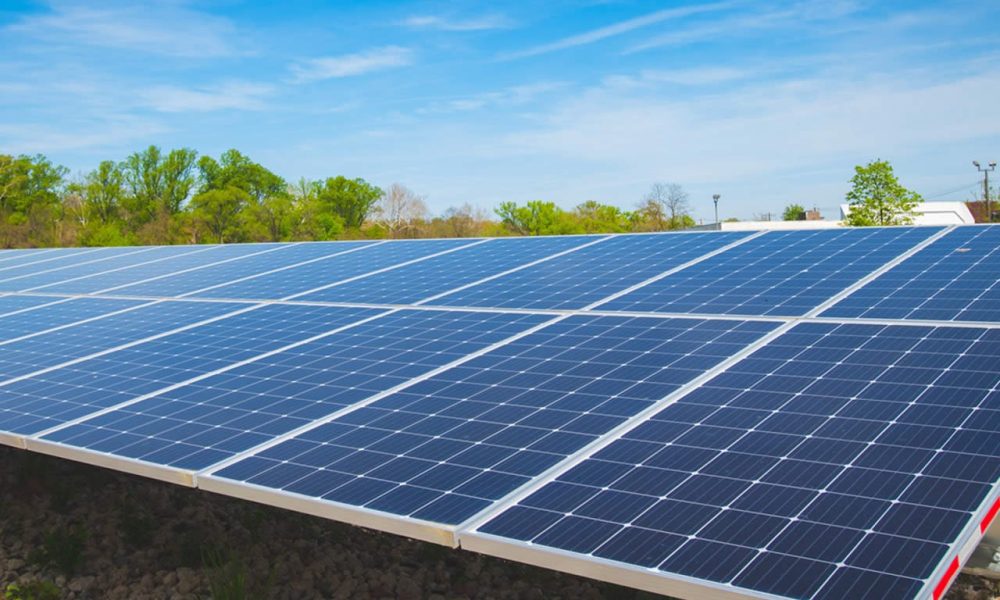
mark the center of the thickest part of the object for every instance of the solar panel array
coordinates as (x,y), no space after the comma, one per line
(804,414)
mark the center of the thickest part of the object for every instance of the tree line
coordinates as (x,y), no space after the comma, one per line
(155,197)
(178,197)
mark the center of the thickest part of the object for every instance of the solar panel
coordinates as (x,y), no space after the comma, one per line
(97,282)
(29,277)
(36,403)
(307,277)
(126,324)
(16,257)
(953,279)
(45,313)
(12,305)
(444,273)
(683,413)
(783,273)
(447,447)
(216,274)
(590,274)
(233,410)
(50,258)
(838,461)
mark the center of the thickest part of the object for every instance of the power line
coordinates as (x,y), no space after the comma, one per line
(956,190)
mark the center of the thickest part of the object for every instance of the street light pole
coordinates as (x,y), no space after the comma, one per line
(715,198)
(986,186)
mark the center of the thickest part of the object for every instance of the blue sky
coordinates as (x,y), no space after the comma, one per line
(764,102)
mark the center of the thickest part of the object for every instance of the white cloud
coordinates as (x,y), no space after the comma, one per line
(440,23)
(232,95)
(701,76)
(513,96)
(620,28)
(158,28)
(348,65)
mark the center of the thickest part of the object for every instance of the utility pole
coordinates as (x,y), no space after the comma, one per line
(715,198)
(986,186)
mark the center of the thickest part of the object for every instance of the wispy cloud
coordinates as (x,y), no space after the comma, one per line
(619,28)
(347,65)
(701,76)
(442,23)
(232,95)
(513,96)
(159,28)
(797,16)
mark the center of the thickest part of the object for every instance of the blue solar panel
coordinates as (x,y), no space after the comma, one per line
(91,283)
(838,461)
(24,356)
(200,424)
(443,273)
(784,273)
(29,278)
(447,447)
(210,276)
(13,258)
(953,279)
(16,304)
(44,401)
(590,274)
(298,280)
(54,312)
(61,260)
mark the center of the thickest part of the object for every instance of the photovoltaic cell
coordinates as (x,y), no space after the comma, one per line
(208,421)
(211,276)
(782,273)
(100,281)
(956,278)
(16,304)
(55,312)
(30,277)
(838,461)
(303,278)
(10,258)
(447,447)
(44,401)
(25,356)
(443,273)
(56,258)
(580,278)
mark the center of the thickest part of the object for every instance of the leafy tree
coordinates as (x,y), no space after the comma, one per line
(234,169)
(536,218)
(877,198)
(794,212)
(30,200)
(219,211)
(594,217)
(350,199)
(156,184)
(103,192)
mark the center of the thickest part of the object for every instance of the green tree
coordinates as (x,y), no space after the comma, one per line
(794,212)
(103,191)
(156,185)
(218,211)
(594,217)
(350,199)
(877,198)
(30,200)
(536,218)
